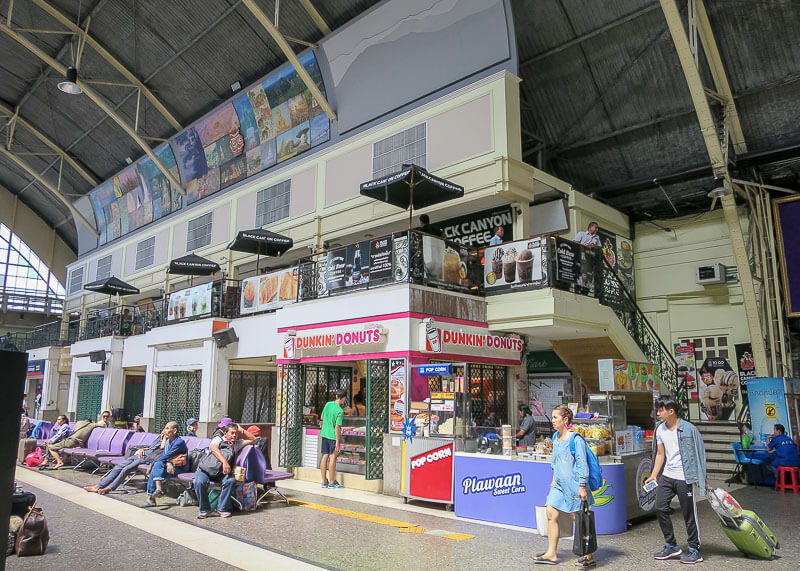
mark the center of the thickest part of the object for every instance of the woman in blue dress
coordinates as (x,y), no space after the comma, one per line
(568,488)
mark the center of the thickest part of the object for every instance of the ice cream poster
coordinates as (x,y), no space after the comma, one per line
(718,389)
(687,370)
(397,397)
(513,265)
(628,376)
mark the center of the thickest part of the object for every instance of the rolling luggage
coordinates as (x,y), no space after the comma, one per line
(744,528)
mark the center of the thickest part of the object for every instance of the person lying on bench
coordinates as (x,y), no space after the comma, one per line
(117,475)
(81,432)
(171,463)
(217,466)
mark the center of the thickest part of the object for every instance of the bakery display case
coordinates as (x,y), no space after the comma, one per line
(352,448)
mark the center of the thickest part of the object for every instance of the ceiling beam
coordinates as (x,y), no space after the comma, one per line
(98,100)
(723,88)
(106,55)
(588,35)
(27,168)
(290,55)
(316,16)
(91,179)
(717,155)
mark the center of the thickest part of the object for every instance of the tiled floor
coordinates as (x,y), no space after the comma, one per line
(348,529)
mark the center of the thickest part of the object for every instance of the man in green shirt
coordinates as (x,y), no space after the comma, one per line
(332,416)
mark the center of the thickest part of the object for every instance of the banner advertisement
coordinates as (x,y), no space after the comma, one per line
(477,229)
(269,291)
(630,376)
(397,397)
(624,264)
(190,302)
(719,389)
(687,370)
(35,368)
(514,265)
(767,398)
(747,370)
(445,265)
(574,267)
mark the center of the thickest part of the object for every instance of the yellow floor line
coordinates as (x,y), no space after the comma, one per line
(214,545)
(403,526)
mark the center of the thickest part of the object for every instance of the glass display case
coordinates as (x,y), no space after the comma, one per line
(597,432)
(352,449)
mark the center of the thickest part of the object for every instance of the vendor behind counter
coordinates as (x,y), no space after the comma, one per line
(527,427)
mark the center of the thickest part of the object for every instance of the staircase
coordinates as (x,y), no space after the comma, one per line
(717,438)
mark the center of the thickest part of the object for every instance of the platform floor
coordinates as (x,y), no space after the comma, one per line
(346,529)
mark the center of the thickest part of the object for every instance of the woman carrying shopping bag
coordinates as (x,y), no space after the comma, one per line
(568,488)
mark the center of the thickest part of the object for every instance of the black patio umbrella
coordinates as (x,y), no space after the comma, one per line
(413,187)
(192,265)
(111,286)
(261,243)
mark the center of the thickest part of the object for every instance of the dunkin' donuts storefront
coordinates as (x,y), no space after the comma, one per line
(376,361)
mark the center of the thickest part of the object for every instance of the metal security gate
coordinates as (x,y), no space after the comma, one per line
(377,415)
(177,398)
(252,396)
(90,394)
(322,382)
(291,392)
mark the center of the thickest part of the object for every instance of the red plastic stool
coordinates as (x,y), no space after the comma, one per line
(781,483)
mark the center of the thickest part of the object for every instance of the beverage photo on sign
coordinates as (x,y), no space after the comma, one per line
(718,389)
(514,265)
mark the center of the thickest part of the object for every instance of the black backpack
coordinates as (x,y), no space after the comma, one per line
(211,465)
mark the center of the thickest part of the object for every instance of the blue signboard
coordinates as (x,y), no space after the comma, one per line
(508,491)
(36,367)
(430,370)
(767,398)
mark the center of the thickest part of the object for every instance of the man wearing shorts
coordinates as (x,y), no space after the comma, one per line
(332,416)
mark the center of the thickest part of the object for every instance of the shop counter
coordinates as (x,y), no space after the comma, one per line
(507,489)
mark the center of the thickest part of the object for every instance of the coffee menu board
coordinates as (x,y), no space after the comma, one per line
(514,265)
(190,302)
(269,291)
(575,265)
(445,264)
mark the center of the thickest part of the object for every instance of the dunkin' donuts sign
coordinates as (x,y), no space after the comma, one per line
(467,340)
(326,342)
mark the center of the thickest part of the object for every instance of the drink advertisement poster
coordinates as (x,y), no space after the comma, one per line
(397,395)
(348,266)
(767,398)
(190,302)
(687,370)
(718,389)
(575,266)
(269,291)
(747,371)
(380,260)
(514,265)
(445,264)
(631,376)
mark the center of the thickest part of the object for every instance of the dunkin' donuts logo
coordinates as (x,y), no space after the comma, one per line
(504,485)
(460,338)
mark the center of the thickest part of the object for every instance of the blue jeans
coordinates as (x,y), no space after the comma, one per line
(121,471)
(201,480)
(158,472)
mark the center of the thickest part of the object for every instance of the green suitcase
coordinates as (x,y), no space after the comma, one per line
(750,535)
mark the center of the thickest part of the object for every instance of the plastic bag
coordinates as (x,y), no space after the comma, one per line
(34,458)
(585,539)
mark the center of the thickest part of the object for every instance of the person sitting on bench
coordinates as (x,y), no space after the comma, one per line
(117,475)
(83,428)
(171,463)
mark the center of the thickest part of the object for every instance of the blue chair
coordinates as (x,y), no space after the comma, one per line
(741,460)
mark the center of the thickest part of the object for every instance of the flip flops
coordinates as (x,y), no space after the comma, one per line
(539,560)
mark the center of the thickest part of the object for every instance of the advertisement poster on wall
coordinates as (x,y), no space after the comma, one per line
(477,229)
(190,302)
(397,395)
(514,265)
(348,267)
(718,389)
(687,369)
(445,265)
(767,406)
(747,371)
(615,375)
(575,266)
(269,291)
(624,264)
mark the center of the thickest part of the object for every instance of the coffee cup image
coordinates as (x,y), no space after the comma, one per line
(510,265)
(525,265)
(451,266)
(497,261)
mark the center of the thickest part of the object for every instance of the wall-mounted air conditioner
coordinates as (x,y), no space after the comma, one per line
(710,274)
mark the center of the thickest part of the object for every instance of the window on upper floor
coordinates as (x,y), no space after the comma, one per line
(103,268)
(145,253)
(23,274)
(405,147)
(272,204)
(76,280)
(198,232)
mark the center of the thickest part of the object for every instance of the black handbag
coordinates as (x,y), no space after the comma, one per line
(211,465)
(585,539)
